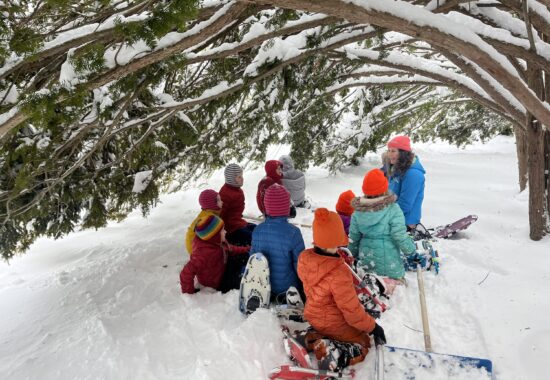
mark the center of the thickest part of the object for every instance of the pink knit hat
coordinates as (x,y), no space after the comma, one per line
(400,142)
(208,199)
(277,201)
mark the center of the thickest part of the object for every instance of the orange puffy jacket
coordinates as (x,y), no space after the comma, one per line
(332,307)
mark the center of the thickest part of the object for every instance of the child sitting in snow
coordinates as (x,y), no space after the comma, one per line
(377,230)
(208,261)
(211,204)
(273,175)
(344,209)
(341,325)
(239,231)
(295,182)
(280,242)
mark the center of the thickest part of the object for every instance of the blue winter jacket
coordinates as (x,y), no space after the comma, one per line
(281,243)
(410,191)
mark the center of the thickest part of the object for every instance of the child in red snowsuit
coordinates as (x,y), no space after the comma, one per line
(239,231)
(273,174)
(209,258)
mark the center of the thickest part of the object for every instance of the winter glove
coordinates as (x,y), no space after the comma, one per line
(378,334)
(292,212)
(416,259)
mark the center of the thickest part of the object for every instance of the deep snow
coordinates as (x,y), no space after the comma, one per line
(107,305)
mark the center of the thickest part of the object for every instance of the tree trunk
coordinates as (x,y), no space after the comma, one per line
(537,204)
(521,151)
(536,161)
(547,173)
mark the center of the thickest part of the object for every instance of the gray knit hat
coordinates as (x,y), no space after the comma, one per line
(230,172)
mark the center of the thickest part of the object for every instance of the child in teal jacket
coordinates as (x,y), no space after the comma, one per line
(377,231)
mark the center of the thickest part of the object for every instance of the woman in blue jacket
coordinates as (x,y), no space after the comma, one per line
(279,241)
(406,176)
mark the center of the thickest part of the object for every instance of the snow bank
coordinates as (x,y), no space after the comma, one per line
(106,304)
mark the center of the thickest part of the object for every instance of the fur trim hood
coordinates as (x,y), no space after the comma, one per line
(373,204)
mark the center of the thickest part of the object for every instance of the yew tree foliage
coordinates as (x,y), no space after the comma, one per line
(94,92)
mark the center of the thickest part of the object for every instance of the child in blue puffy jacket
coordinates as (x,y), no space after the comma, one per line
(279,241)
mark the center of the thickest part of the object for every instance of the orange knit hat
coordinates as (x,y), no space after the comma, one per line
(375,183)
(328,229)
(343,206)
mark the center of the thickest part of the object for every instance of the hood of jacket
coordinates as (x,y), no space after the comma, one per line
(371,211)
(271,170)
(289,172)
(372,204)
(287,162)
(316,266)
(416,165)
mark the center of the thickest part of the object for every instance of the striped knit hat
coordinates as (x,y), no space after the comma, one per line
(230,172)
(208,227)
(277,201)
(208,199)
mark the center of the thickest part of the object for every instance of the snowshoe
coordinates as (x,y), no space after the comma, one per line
(287,372)
(289,313)
(295,350)
(293,298)
(335,356)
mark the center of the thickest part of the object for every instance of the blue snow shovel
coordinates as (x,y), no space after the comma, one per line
(415,364)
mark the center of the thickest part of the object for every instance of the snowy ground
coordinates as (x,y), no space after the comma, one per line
(106,304)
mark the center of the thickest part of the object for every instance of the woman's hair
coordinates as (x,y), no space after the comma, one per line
(404,162)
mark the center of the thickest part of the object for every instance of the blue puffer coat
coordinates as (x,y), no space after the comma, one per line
(410,191)
(282,243)
(378,235)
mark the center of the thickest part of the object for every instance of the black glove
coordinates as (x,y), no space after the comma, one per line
(378,334)
(292,212)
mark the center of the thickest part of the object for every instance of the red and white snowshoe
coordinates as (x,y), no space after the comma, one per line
(288,372)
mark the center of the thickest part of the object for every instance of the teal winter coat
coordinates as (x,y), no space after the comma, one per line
(378,235)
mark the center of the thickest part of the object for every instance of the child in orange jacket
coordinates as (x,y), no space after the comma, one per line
(332,306)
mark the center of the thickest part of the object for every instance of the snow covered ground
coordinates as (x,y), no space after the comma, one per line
(107,305)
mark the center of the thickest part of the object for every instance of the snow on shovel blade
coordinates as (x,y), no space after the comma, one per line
(404,363)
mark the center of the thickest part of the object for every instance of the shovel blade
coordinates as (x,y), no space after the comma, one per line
(404,363)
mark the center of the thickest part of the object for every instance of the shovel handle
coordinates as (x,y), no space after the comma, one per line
(379,363)
(423,310)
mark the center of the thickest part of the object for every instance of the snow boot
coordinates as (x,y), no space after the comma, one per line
(307,338)
(293,298)
(335,356)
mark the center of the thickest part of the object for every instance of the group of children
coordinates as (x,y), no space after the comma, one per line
(372,226)
(220,233)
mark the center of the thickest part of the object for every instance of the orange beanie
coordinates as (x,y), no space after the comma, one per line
(343,206)
(328,229)
(375,183)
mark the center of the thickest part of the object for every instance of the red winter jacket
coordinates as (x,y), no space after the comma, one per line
(207,263)
(233,207)
(270,178)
